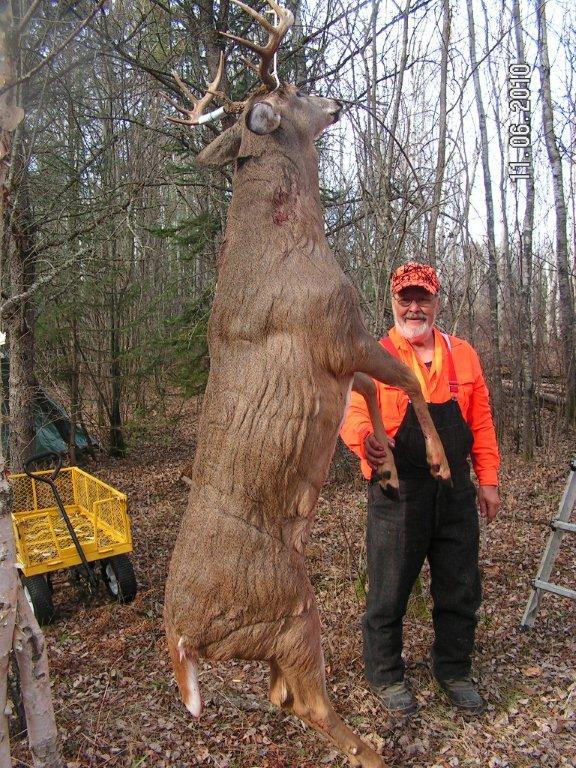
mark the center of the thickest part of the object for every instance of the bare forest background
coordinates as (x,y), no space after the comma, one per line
(456,147)
(111,233)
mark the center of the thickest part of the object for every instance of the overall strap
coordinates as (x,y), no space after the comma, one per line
(389,346)
(452,379)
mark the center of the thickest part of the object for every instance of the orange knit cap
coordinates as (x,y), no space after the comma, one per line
(412,273)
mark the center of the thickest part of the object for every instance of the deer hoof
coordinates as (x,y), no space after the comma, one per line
(367,759)
(446,480)
(390,491)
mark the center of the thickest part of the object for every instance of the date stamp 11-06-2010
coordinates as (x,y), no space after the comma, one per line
(519,139)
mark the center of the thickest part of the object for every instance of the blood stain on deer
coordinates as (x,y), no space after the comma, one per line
(284,202)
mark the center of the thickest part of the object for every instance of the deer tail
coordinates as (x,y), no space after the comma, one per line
(185,663)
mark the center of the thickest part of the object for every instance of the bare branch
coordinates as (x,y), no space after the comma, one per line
(79,27)
(11,305)
(26,18)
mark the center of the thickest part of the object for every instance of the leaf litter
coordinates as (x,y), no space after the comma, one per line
(117,704)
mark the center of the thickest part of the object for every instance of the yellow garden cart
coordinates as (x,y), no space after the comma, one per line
(66,518)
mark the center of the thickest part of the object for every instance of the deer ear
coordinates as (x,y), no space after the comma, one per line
(224,149)
(262,118)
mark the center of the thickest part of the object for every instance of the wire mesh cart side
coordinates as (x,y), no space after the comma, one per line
(67,518)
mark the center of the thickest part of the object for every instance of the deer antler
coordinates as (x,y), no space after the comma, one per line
(196,115)
(276,34)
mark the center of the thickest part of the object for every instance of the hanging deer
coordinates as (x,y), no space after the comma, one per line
(286,341)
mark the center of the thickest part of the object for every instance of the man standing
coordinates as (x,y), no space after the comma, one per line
(430,519)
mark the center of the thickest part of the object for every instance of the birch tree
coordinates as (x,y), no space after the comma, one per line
(526,339)
(566,308)
(495,374)
(19,630)
(442,128)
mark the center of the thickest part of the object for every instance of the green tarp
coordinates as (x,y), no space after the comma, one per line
(52,424)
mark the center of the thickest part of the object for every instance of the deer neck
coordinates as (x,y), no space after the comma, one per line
(282,195)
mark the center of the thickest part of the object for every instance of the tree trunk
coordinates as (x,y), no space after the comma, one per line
(525,320)
(20,328)
(441,158)
(567,317)
(19,629)
(495,372)
(300,68)
(117,443)
(74,365)
(75,415)
(207,31)
(16,256)
(8,601)
(20,633)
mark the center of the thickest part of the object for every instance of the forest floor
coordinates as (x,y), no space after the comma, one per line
(117,704)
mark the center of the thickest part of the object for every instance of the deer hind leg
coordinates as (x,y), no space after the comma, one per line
(185,664)
(298,685)
(388,481)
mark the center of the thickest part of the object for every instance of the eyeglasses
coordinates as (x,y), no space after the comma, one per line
(422,301)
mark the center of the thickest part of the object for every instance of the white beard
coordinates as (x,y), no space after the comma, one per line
(412,332)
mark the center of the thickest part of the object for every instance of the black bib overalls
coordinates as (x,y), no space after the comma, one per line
(430,521)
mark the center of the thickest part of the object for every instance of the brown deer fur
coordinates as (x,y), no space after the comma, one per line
(286,337)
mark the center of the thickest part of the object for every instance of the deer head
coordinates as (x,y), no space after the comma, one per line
(274,108)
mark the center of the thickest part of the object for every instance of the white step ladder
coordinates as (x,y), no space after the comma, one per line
(559,526)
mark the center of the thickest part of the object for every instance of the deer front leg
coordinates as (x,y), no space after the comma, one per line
(298,685)
(388,481)
(375,361)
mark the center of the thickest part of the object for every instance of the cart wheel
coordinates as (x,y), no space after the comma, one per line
(39,596)
(119,578)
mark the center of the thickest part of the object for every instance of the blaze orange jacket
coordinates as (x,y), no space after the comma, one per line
(473,400)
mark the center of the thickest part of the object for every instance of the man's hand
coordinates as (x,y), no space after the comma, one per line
(375,451)
(489,501)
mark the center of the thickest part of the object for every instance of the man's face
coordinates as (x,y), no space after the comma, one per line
(415,311)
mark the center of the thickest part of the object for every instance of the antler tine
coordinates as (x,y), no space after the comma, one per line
(195,114)
(275,37)
(262,20)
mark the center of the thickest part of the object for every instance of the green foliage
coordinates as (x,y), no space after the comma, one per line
(187,344)
(184,334)
(194,235)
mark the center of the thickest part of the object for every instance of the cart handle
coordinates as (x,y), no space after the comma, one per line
(39,457)
(50,481)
